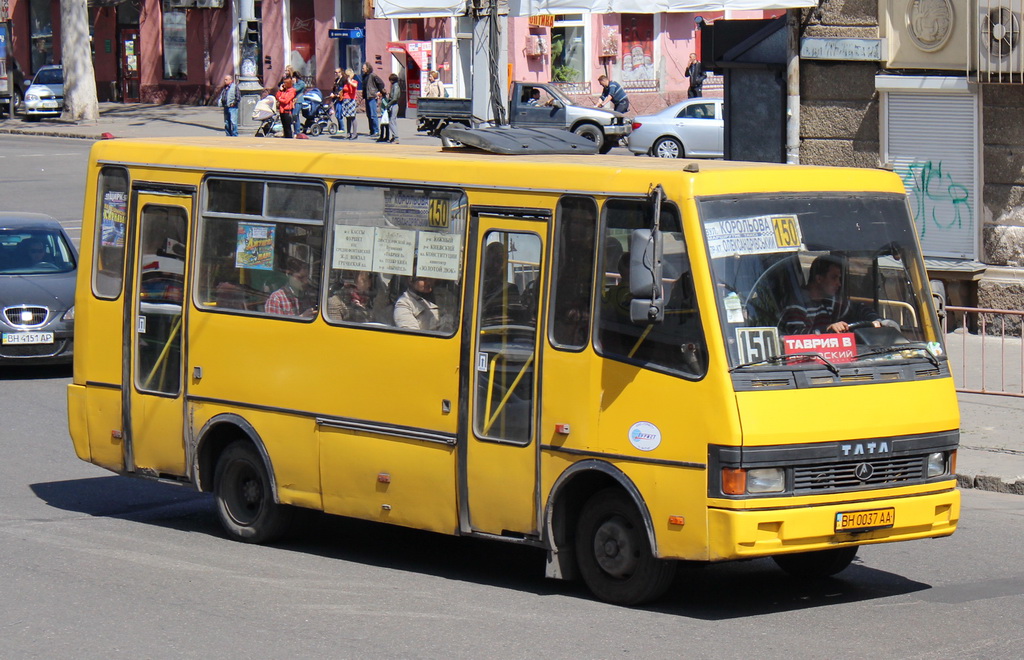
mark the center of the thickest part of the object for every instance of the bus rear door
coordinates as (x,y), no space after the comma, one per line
(153,405)
(499,465)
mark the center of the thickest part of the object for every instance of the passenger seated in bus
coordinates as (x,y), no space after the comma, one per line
(821,305)
(500,302)
(352,299)
(289,299)
(419,309)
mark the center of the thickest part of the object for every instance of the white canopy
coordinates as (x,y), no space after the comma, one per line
(433,8)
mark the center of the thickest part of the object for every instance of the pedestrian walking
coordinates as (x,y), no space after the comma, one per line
(695,72)
(613,91)
(349,93)
(373,90)
(229,98)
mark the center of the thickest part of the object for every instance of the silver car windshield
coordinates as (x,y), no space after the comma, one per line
(34,252)
(825,279)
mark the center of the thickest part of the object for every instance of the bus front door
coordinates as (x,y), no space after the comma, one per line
(499,475)
(153,407)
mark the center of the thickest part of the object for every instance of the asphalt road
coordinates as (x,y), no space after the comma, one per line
(93,565)
(100,566)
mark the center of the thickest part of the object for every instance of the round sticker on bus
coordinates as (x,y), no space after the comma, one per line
(644,436)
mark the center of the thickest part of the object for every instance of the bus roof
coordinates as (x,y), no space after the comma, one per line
(591,174)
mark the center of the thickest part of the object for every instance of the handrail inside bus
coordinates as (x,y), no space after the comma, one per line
(489,422)
(161,361)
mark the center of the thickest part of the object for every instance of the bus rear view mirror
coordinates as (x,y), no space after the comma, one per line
(645,256)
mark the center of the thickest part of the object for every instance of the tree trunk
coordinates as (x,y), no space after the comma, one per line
(76,54)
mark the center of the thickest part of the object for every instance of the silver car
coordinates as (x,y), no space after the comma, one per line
(693,128)
(45,96)
(38,266)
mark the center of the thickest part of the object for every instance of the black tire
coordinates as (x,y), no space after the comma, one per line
(607,146)
(332,128)
(668,147)
(592,133)
(816,565)
(245,499)
(315,130)
(614,554)
(18,102)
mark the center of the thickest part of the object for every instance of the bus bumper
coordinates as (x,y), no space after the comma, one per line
(736,534)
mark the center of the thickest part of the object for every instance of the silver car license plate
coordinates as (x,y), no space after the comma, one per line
(28,338)
(49,104)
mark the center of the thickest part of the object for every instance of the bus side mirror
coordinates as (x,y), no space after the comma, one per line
(646,251)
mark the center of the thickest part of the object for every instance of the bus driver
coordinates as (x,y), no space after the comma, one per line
(820,307)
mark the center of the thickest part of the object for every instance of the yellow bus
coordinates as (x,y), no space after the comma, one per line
(624,361)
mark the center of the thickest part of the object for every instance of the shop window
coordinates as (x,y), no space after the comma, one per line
(569,49)
(42,34)
(175,42)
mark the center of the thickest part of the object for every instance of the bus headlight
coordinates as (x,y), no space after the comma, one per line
(936,464)
(766,480)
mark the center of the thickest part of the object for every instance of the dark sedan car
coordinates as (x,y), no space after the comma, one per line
(38,265)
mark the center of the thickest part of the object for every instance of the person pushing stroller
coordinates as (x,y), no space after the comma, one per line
(265,112)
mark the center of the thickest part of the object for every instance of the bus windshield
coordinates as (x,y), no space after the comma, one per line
(818,279)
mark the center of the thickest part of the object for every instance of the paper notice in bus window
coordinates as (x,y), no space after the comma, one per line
(834,347)
(439,255)
(405,208)
(727,238)
(255,246)
(353,248)
(394,250)
(114,216)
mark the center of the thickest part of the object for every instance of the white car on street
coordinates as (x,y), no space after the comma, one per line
(45,96)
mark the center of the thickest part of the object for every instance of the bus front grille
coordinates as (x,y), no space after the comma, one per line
(894,471)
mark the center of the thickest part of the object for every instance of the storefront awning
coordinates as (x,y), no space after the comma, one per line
(431,8)
(418,8)
(539,7)
(419,51)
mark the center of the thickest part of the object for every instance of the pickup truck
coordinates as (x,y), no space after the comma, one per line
(531,105)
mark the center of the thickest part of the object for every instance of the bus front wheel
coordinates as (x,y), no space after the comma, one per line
(614,555)
(819,564)
(245,500)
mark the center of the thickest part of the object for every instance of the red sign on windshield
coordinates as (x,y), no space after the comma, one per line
(838,347)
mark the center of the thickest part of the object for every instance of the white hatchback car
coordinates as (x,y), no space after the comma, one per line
(45,96)
(693,128)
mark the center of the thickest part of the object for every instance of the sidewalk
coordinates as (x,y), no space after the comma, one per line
(149,120)
(991,455)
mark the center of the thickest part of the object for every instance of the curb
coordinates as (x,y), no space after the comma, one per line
(990,483)
(18,131)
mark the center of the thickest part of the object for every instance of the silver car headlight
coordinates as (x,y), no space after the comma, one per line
(766,480)
(31,97)
(936,464)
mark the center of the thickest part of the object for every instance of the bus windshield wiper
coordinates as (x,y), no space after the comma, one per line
(780,359)
(899,348)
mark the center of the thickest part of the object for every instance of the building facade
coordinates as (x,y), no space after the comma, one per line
(933,89)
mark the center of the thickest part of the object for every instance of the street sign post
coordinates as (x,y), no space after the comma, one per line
(346,33)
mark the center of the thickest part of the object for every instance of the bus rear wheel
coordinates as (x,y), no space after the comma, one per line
(245,498)
(614,555)
(819,564)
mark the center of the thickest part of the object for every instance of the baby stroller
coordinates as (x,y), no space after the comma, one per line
(269,126)
(317,113)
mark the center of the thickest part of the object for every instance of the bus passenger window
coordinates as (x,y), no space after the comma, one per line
(112,212)
(396,258)
(253,261)
(677,344)
(572,290)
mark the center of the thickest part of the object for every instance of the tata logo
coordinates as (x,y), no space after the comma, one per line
(864,471)
(873,448)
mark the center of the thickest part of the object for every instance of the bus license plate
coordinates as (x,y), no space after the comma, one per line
(28,338)
(861,521)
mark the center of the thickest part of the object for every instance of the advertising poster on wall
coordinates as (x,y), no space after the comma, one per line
(255,246)
(638,48)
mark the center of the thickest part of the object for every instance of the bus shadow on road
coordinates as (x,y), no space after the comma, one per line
(708,592)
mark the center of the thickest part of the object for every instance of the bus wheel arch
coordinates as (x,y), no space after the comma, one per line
(567,501)
(214,437)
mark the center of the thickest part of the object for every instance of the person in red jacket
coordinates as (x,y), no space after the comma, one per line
(285,102)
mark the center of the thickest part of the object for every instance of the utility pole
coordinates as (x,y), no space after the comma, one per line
(248,84)
(793,87)
(490,62)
